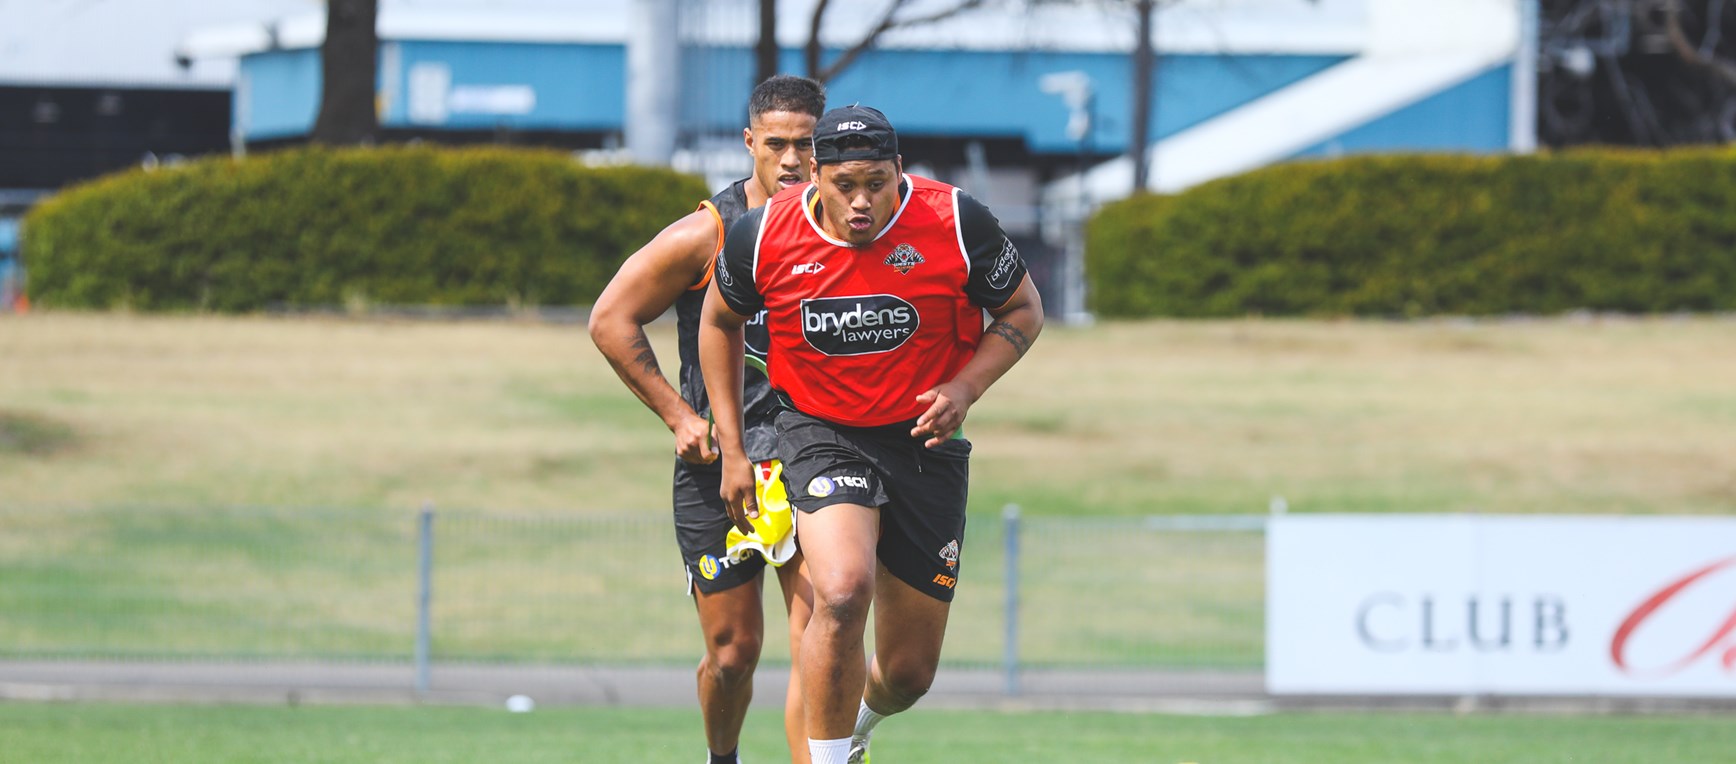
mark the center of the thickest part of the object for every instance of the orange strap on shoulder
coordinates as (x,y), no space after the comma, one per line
(711,265)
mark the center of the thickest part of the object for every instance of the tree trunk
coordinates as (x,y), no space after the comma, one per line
(1144,61)
(349,63)
(765,51)
(811,52)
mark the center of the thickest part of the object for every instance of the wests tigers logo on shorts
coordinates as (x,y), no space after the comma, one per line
(859,325)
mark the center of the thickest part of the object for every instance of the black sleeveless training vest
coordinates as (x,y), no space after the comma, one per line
(760,405)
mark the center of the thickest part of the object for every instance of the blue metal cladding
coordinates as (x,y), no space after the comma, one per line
(8,236)
(949,93)
(577,87)
(1471,117)
(996,93)
(282,94)
(929,93)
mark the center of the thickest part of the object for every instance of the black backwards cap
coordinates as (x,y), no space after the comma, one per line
(841,125)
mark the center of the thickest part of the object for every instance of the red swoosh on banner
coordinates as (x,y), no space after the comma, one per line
(1618,645)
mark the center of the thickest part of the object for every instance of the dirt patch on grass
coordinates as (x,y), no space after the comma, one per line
(34,435)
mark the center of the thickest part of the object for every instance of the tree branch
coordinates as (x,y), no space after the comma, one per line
(888,22)
(1685,49)
(765,49)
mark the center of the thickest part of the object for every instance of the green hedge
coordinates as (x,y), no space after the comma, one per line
(1420,235)
(318,227)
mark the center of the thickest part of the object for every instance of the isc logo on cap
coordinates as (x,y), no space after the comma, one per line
(852,126)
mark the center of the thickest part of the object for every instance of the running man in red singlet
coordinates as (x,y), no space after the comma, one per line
(874,284)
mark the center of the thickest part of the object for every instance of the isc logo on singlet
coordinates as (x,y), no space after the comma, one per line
(858,325)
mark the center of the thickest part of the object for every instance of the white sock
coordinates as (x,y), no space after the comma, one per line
(829,751)
(866,718)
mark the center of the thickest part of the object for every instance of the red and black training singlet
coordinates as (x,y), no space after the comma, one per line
(857,333)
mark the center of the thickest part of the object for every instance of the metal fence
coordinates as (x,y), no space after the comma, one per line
(455,587)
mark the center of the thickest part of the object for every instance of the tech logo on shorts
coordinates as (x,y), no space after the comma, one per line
(711,565)
(859,325)
(823,486)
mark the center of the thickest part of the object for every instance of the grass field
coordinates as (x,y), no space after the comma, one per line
(55,733)
(198,486)
(1548,416)
(309,584)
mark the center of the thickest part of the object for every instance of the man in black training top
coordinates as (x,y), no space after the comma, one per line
(724,564)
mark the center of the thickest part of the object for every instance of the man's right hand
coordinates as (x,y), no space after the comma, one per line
(693,441)
(739,498)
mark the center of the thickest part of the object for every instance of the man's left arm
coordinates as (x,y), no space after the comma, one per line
(998,282)
(732,298)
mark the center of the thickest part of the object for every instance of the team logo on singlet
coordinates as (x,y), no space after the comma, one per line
(858,325)
(904,257)
(949,554)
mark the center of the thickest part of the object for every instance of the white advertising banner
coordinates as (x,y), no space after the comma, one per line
(1501,605)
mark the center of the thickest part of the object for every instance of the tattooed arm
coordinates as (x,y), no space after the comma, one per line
(647,284)
(1012,334)
(1015,326)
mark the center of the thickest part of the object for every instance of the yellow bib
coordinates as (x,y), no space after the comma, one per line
(774,531)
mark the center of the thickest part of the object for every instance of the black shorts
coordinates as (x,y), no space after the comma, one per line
(702,531)
(921,492)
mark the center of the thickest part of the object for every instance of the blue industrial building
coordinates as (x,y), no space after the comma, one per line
(1027,105)
(1275,80)
(580,88)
